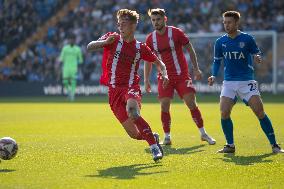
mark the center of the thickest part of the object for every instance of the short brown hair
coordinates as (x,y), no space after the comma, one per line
(129,14)
(157,11)
(235,14)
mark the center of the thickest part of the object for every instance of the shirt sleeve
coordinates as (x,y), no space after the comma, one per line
(147,54)
(149,42)
(105,36)
(182,37)
(218,56)
(218,50)
(253,48)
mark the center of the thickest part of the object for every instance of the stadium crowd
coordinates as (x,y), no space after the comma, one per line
(19,19)
(93,18)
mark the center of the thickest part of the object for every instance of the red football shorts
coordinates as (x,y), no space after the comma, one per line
(118,97)
(181,86)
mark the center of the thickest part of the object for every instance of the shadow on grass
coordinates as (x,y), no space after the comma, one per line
(246,160)
(126,172)
(6,170)
(170,150)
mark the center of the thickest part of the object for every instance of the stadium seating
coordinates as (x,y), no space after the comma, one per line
(38,60)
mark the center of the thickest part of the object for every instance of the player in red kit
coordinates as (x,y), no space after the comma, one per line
(122,54)
(167,43)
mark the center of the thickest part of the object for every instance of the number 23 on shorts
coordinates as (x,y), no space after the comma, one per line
(253,86)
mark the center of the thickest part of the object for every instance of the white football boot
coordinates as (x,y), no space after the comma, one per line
(277,149)
(209,139)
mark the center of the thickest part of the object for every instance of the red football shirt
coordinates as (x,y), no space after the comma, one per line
(121,60)
(169,48)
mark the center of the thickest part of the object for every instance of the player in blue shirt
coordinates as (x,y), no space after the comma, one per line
(238,50)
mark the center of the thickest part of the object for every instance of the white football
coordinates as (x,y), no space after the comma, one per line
(8,148)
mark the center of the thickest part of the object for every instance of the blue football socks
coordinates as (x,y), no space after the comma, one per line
(227,126)
(268,129)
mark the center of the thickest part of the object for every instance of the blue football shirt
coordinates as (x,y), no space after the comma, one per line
(236,54)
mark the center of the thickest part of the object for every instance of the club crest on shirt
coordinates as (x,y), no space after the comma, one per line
(224,45)
(242,44)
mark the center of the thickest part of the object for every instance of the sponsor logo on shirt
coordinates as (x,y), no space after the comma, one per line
(234,55)
(242,44)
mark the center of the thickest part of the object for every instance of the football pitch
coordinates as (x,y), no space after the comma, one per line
(81,145)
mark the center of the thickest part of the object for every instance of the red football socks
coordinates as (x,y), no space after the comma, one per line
(166,121)
(197,118)
(145,130)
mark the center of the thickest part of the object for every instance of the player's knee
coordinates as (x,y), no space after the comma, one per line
(73,81)
(191,105)
(260,114)
(165,105)
(65,81)
(132,135)
(190,101)
(225,114)
(133,113)
(136,136)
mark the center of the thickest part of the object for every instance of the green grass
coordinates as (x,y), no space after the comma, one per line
(82,145)
(147,98)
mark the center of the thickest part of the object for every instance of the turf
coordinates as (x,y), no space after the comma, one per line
(82,145)
(147,98)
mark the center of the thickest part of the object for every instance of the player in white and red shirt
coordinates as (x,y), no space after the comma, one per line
(168,42)
(122,54)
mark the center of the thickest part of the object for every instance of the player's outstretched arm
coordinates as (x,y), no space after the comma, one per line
(94,45)
(192,54)
(216,63)
(147,72)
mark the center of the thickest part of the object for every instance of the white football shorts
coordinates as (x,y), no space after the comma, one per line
(243,89)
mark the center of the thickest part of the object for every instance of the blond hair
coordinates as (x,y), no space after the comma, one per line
(157,11)
(133,16)
(234,14)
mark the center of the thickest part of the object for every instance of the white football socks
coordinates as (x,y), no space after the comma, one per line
(202,131)
(167,135)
